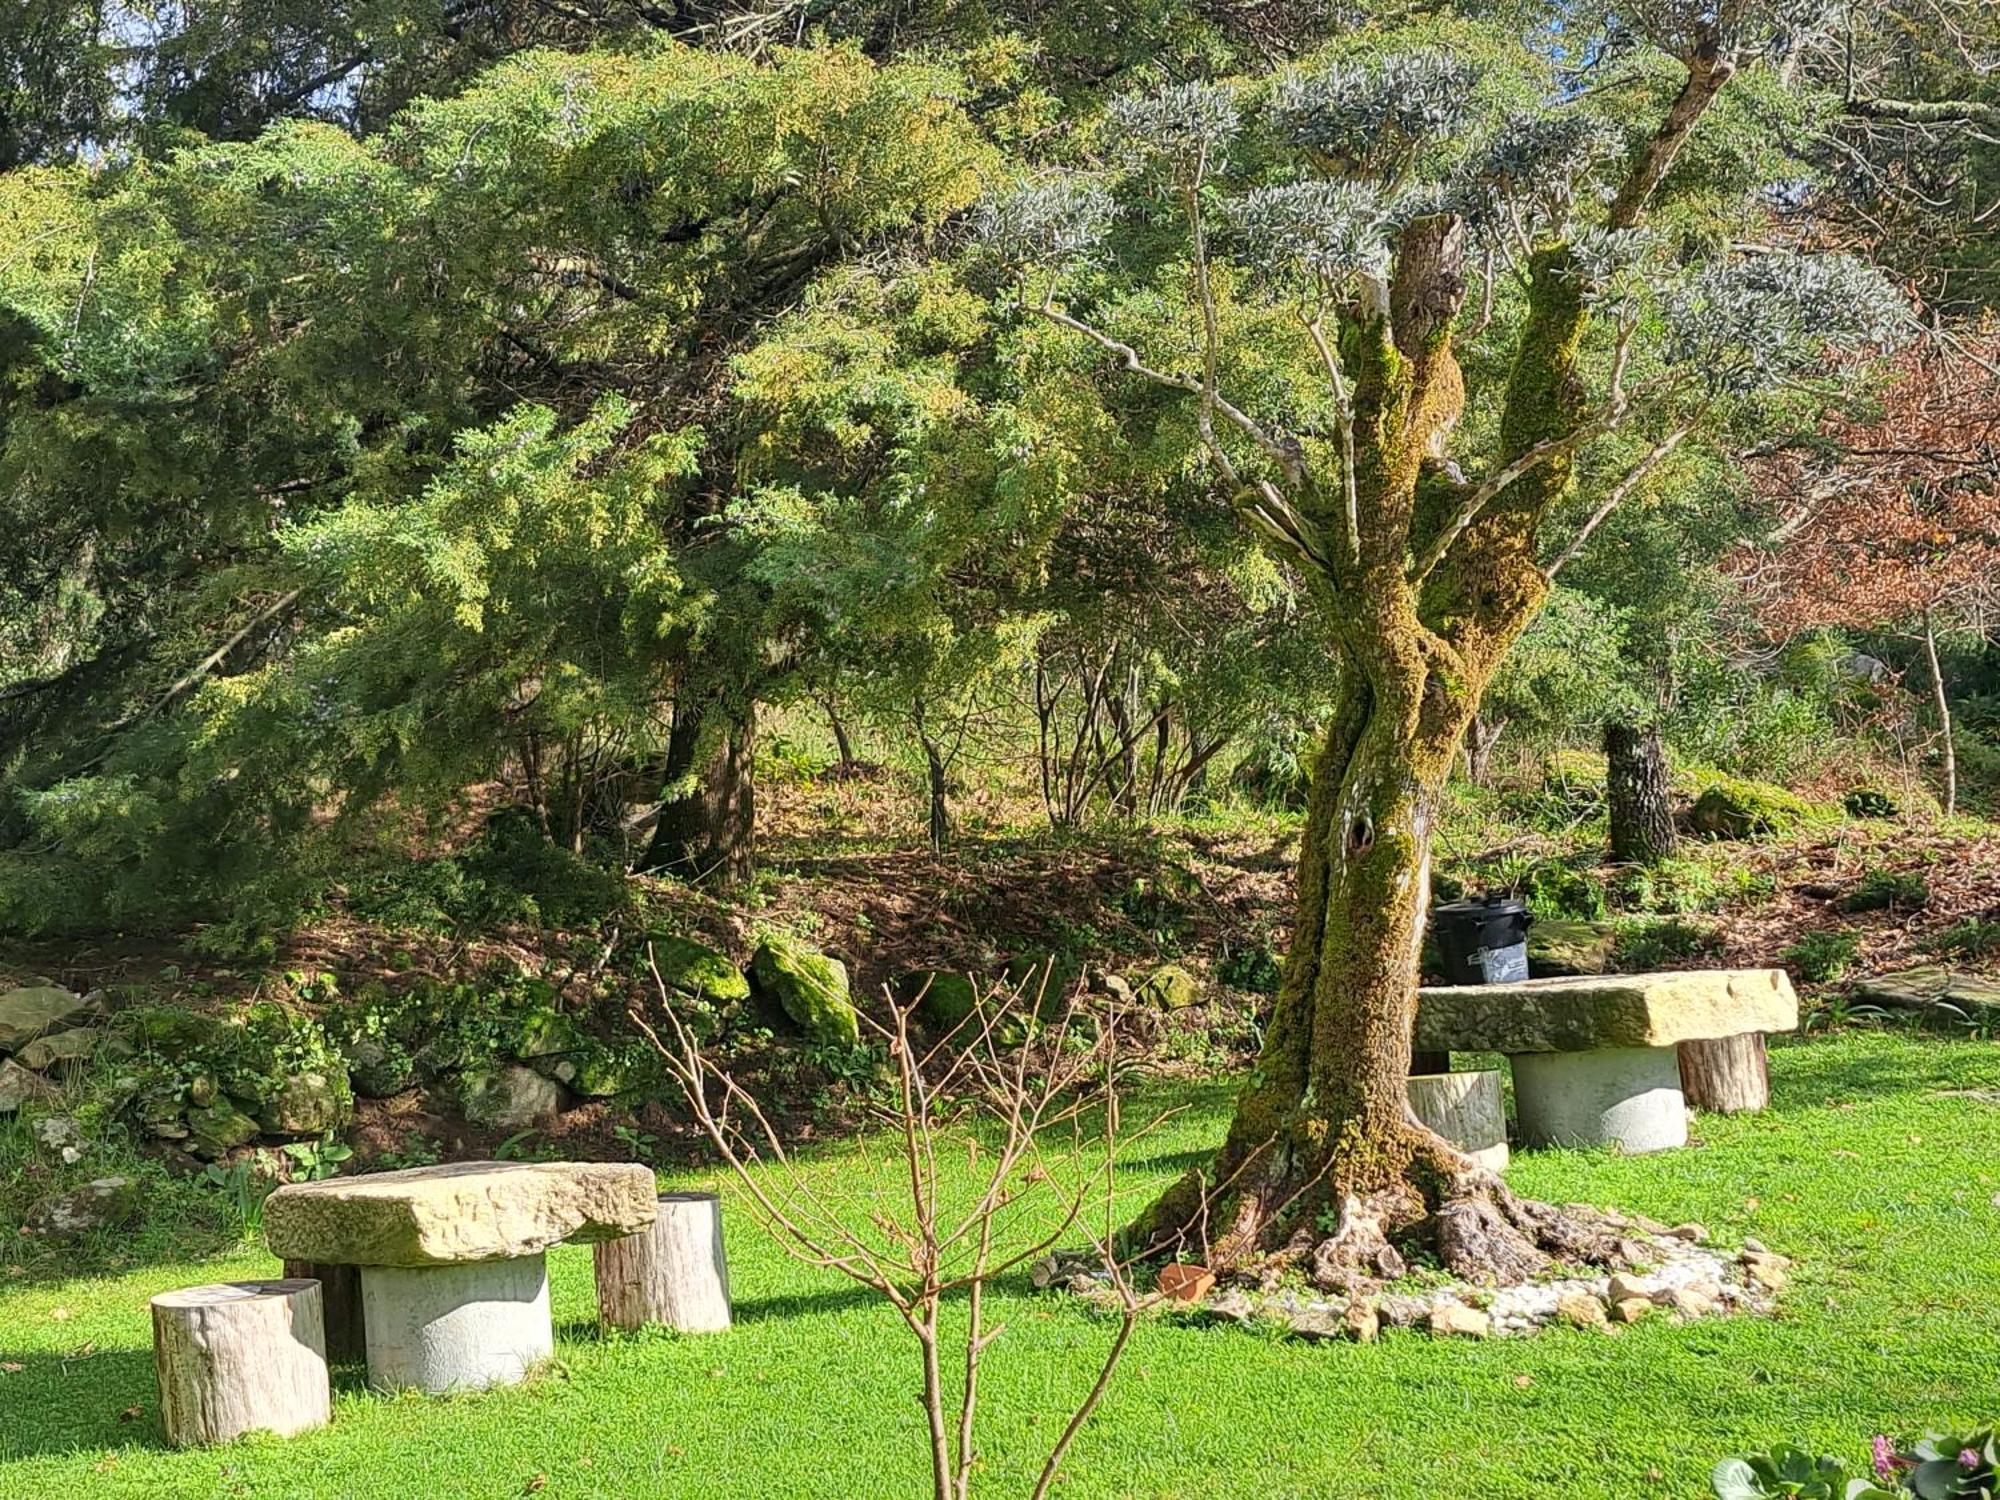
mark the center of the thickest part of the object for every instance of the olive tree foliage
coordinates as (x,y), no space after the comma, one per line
(272,389)
(1343,208)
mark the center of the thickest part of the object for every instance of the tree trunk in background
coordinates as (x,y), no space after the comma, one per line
(730,857)
(678,830)
(1943,706)
(707,834)
(1481,735)
(842,745)
(934,768)
(1636,794)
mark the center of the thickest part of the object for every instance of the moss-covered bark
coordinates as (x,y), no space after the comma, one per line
(1322,1124)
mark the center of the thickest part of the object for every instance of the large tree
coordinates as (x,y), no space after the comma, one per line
(1351,215)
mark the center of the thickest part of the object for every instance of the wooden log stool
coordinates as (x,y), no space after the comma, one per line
(673,1274)
(241,1356)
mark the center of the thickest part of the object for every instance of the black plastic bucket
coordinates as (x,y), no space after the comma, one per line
(1484,941)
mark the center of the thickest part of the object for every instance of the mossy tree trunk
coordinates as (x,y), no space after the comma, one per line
(1324,1159)
(1322,1130)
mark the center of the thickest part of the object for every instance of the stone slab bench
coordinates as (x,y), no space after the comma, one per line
(453,1284)
(1594,1056)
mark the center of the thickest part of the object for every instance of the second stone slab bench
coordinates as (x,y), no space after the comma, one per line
(453,1286)
(1594,1057)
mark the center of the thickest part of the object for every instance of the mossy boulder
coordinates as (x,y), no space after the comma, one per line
(809,987)
(35,1010)
(1563,947)
(1169,987)
(511,1098)
(698,970)
(943,999)
(1733,807)
(309,1103)
(377,1069)
(545,1031)
(104,1203)
(218,1128)
(1043,979)
(61,1049)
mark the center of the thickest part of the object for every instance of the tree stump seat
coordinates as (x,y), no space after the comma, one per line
(237,1357)
(1599,1059)
(452,1284)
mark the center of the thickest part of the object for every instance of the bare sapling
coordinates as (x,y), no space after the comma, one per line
(1038,1128)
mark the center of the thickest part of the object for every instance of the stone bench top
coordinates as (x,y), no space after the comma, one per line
(1597,1011)
(459,1211)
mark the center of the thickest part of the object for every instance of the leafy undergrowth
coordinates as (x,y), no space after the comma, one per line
(1876,1168)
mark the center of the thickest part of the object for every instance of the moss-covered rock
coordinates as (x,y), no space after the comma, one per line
(218,1128)
(698,970)
(378,1069)
(545,1031)
(309,1103)
(35,1010)
(943,999)
(509,1098)
(1560,947)
(105,1203)
(809,987)
(1169,987)
(1043,979)
(1732,807)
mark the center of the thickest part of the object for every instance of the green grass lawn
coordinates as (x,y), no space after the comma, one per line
(1867,1170)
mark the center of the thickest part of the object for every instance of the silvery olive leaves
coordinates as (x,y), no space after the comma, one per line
(1307,184)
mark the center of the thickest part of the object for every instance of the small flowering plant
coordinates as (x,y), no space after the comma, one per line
(1943,1466)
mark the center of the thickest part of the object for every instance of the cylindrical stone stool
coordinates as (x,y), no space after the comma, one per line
(673,1274)
(461,1326)
(239,1357)
(1628,1097)
(1467,1110)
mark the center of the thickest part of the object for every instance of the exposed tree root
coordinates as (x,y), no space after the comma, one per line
(1444,1205)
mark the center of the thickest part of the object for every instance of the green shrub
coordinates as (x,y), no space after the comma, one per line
(1732,807)
(1664,944)
(1971,938)
(1887,890)
(1681,886)
(1941,1466)
(510,874)
(1869,802)
(1555,889)
(1822,957)
(1255,967)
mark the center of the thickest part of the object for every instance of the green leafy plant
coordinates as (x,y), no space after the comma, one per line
(1940,1466)
(1785,1471)
(1822,957)
(1663,944)
(1887,890)
(1972,938)
(315,1161)
(248,1181)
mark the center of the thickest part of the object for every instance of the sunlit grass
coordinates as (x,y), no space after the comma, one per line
(1869,1170)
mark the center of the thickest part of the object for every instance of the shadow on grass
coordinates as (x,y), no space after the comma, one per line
(78,1402)
(1871,1064)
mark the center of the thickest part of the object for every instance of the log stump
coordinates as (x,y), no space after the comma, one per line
(1467,1110)
(673,1274)
(240,1357)
(1727,1075)
(340,1306)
